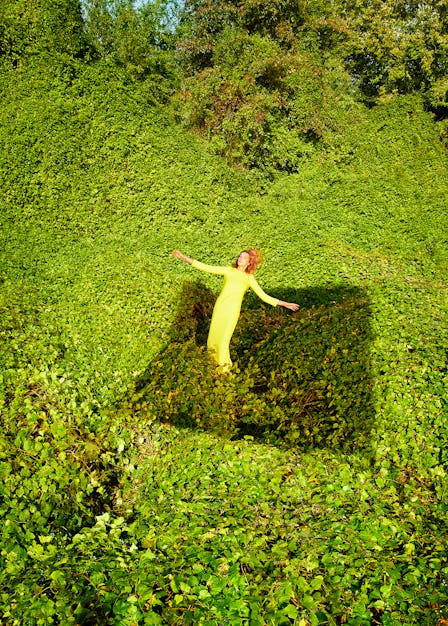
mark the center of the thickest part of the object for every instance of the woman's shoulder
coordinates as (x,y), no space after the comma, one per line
(251,277)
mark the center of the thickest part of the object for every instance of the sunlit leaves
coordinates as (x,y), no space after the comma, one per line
(136,485)
(30,27)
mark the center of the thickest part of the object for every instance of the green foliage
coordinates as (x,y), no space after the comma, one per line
(260,535)
(312,489)
(264,78)
(262,105)
(137,38)
(32,26)
(308,383)
(399,48)
(203,22)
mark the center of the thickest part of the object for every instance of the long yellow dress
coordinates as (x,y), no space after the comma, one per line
(227,308)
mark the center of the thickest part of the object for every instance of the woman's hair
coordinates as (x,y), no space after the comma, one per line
(255,259)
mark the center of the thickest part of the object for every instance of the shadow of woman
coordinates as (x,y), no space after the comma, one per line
(299,378)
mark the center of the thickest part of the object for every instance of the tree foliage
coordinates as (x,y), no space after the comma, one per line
(308,64)
(204,21)
(264,80)
(33,26)
(137,38)
(399,47)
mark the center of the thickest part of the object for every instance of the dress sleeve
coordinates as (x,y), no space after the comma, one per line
(260,293)
(210,269)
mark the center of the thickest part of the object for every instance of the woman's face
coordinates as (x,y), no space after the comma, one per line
(243,260)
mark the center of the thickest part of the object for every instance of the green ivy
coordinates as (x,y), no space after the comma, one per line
(138,486)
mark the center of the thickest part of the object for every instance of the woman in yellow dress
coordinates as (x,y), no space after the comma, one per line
(237,280)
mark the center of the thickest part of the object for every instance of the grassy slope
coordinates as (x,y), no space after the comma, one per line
(107,187)
(98,189)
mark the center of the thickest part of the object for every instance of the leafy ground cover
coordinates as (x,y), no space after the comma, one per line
(308,487)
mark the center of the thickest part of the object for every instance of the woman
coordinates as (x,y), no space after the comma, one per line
(237,280)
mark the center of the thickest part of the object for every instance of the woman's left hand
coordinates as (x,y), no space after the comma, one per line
(292,306)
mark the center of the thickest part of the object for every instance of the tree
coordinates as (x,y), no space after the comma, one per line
(138,38)
(32,26)
(256,79)
(203,21)
(398,47)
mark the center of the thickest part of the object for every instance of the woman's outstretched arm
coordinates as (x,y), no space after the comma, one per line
(269,299)
(183,257)
(211,269)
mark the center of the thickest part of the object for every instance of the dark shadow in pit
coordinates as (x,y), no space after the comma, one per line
(301,379)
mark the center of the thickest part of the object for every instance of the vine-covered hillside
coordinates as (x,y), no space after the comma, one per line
(138,485)
(307,487)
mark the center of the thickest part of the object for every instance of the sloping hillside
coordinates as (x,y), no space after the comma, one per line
(138,487)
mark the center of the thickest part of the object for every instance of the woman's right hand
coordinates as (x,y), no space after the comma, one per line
(183,257)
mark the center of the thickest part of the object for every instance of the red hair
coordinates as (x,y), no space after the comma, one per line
(255,259)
